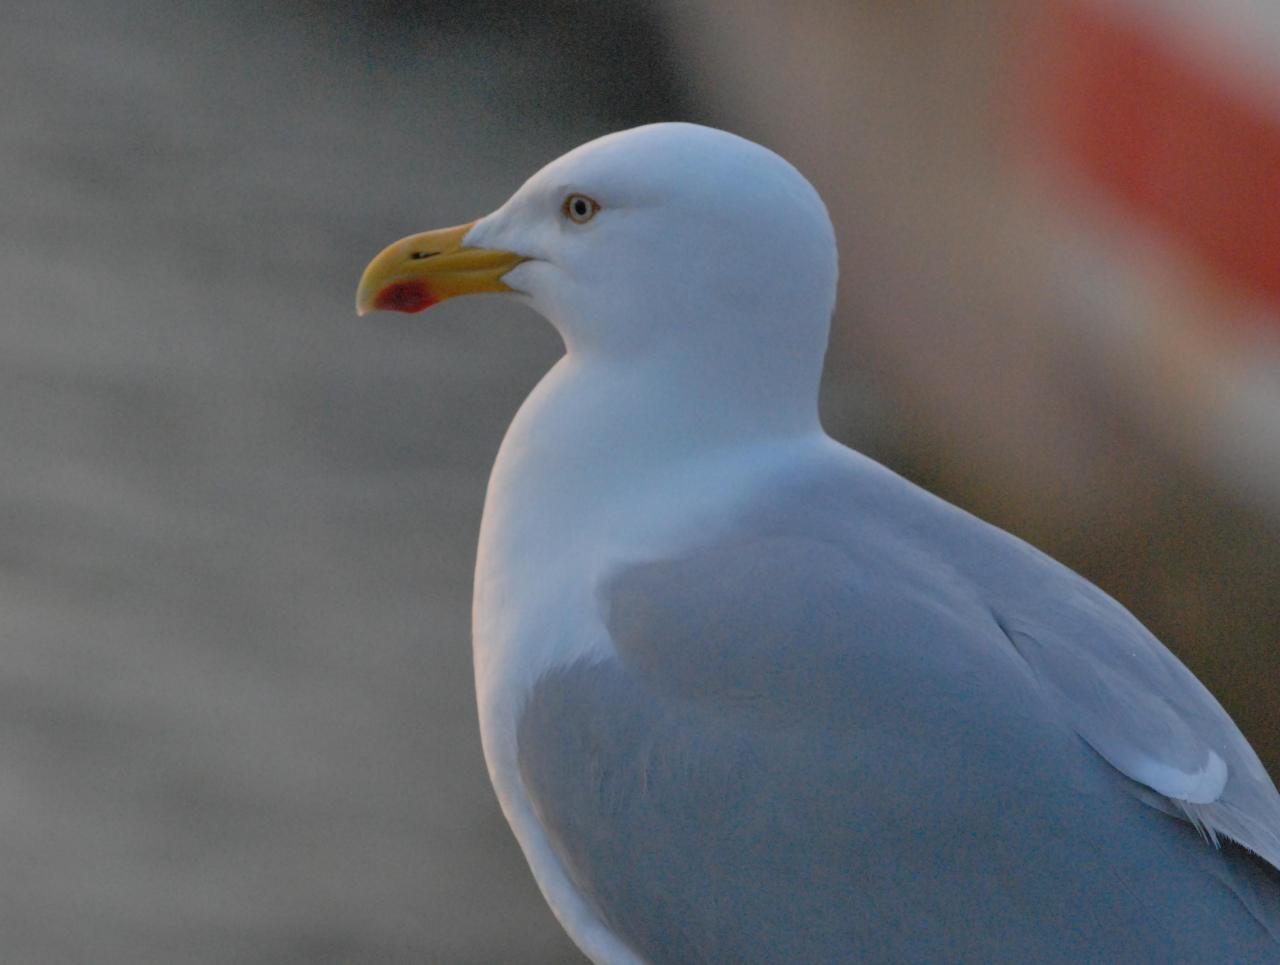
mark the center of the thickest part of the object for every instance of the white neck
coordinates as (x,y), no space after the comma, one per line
(594,427)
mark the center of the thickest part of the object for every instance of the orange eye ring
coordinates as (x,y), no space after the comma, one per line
(579,208)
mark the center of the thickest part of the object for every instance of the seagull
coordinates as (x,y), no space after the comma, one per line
(746,695)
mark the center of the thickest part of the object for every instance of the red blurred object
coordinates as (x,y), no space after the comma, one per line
(1138,110)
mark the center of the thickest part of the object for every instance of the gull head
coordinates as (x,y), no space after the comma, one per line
(641,241)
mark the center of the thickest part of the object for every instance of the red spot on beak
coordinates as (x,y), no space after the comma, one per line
(404,296)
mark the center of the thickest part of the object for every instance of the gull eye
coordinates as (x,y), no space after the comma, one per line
(579,209)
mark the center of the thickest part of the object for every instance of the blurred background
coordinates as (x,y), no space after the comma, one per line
(238,524)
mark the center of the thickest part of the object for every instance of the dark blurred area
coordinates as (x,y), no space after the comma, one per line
(236,711)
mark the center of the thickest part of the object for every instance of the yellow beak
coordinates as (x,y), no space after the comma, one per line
(422,270)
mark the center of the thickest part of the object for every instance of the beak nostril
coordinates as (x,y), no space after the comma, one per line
(419,255)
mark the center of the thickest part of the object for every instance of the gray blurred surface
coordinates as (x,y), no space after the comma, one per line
(236,708)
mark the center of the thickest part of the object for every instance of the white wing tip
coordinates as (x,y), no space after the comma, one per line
(1210,782)
(1199,787)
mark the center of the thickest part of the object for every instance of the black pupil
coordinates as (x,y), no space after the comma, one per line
(580,208)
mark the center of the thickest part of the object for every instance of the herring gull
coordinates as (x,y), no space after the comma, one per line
(748,696)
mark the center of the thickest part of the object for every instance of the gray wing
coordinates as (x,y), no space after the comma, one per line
(1124,693)
(826,738)
(1119,688)
(1147,715)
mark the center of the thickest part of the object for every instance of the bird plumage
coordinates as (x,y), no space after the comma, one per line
(818,742)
